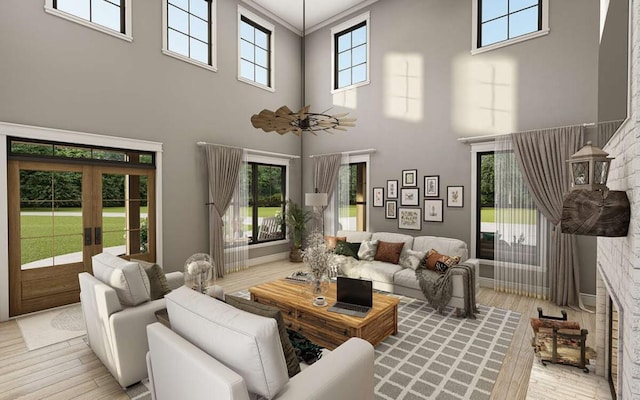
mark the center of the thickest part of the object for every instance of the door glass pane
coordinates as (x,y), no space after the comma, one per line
(270,200)
(125,214)
(50,218)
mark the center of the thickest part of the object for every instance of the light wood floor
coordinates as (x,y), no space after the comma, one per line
(70,370)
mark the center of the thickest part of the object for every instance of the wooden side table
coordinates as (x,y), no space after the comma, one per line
(163,317)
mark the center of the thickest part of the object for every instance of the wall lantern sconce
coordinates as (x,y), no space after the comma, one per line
(590,168)
(590,208)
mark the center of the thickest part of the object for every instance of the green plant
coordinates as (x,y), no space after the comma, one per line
(296,218)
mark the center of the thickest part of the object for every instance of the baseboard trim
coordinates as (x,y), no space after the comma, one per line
(267,259)
(587,299)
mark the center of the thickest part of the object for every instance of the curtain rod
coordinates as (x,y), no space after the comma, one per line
(344,153)
(485,138)
(253,151)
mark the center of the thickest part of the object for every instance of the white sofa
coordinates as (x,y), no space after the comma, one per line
(117,333)
(400,280)
(216,351)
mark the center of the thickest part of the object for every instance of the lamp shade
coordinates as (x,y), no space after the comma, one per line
(315,199)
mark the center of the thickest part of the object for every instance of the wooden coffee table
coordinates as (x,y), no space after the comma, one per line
(326,328)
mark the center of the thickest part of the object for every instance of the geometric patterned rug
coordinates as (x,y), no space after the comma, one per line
(434,356)
(437,356)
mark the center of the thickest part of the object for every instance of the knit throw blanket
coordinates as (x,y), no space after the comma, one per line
(438,288)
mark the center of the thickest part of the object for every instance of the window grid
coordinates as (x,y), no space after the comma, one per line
(348,50)
(255,65)
(191,39)
(92,17)
(482,22)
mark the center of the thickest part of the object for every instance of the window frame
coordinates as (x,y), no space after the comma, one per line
(125,12)
(261,24)
(269,161)
(212,38)
(543,17)
(349,25)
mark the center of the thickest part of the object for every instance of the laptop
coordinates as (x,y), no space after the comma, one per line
(354,297)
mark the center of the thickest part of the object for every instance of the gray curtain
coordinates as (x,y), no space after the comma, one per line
(542,156)
(223,166)
(325,173)
(606,131)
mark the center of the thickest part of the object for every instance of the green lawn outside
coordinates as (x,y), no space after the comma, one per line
(38,241)
(511,215)
(266,212)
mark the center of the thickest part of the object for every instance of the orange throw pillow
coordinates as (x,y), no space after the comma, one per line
(332,241)
(389,252)
(439,262)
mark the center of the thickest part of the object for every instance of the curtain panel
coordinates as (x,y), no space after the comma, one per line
(223,167)
(520,232)
(236,224)
(542,157)
(326,171)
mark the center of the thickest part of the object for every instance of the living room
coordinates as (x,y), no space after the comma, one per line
(429,94)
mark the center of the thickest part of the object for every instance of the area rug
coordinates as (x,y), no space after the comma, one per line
(436,356)
(51,327)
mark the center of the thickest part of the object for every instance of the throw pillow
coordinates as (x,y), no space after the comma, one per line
(127,278)
(411,258)
(367,250)
(347,249)
(389,252)
(439,262)
(157,280)
(332,241)
(293,365)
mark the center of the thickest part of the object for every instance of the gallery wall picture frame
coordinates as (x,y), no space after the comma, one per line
(433,210)
(392,189)
(432,186)
(410,218)
(455,196)
(378,197)
(409,197)
(410,177)
(391,209)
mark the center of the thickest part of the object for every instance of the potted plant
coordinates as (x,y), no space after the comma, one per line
(296,220)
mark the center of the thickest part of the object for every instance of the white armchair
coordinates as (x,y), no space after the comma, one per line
(117,333)
(248,362)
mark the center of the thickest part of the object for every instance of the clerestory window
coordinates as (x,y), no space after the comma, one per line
(188,32)
(108,16)
(255,49)
(499,23)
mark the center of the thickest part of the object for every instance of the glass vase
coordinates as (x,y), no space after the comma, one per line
(319,285)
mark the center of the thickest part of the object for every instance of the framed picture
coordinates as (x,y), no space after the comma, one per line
(409,197)
(410,177)
(392,189)
(455,196)
(378,196)
(432,186)
(390,209)
(409,218)
(433,210)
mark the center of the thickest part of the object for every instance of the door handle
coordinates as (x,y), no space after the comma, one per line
(87,236)
(98,231)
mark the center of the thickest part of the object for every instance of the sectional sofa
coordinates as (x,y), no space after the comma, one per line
(396,278)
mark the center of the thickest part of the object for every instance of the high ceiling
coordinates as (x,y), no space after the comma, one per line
(317,12)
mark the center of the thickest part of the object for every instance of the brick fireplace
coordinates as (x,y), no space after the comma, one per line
(618,260)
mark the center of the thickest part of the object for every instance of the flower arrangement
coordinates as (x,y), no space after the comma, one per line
(199,271)
(317,256)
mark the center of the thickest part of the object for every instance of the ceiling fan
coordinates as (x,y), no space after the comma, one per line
(283,120)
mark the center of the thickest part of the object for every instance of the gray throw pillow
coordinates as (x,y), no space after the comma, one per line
(293,364)
(368,250)
(412,258)
(157,280)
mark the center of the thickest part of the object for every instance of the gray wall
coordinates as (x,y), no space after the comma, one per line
(553,80)
(55,73)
